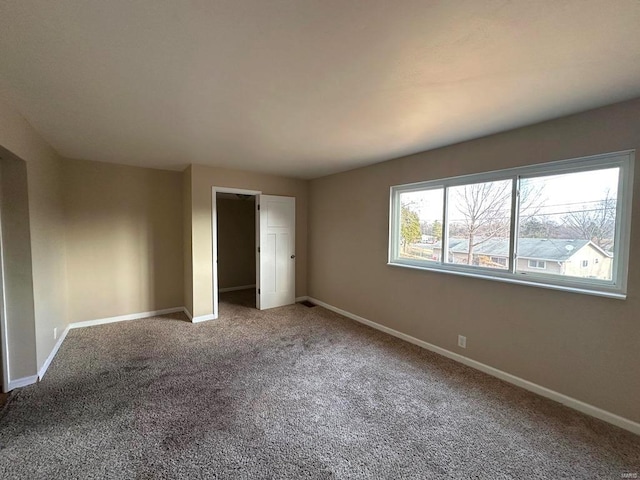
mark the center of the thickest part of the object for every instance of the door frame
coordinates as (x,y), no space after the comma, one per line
(4,339)
(214,239)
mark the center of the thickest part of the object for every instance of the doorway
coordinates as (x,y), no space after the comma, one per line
(236,243)
(273,246)
(231,242)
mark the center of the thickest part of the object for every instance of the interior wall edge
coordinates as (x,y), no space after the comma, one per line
(47,239)
(22,382)
(45,366)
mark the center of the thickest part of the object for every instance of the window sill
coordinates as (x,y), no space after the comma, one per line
(517,281)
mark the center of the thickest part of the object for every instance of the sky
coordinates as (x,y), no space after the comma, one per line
(560,194)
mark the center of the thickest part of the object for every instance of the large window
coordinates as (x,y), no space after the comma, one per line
(561,225)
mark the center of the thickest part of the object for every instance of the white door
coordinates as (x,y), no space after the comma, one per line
(276,225)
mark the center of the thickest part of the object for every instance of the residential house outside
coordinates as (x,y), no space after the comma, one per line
(571,257)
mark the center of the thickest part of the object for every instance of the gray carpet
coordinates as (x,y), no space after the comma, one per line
(294,392)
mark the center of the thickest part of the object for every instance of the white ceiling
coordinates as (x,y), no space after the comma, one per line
(305,87)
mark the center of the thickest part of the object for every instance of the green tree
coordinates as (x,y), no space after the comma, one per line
(436,230)
(409,227)
(533,227)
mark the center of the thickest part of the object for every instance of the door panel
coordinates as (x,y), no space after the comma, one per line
(277,251)
(268,252)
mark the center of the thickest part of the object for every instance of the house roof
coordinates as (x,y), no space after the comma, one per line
(549,249)
(558,250)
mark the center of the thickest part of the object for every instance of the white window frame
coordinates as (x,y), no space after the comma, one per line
(615,288)
(537,263)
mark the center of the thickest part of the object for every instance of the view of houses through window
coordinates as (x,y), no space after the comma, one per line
(564,223)
(479,223)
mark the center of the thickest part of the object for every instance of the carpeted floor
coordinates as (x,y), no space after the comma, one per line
(293,392)
(3,399)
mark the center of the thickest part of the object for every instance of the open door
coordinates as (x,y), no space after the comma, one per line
(275,232)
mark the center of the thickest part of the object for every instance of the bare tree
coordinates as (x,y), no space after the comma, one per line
(486,210)
(594,223)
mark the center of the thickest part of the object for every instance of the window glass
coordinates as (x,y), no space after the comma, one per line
(567,229)
(420,224)
(479,223)
(537,264)
(566,220)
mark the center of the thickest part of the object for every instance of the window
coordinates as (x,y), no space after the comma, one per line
(531,225)
(566,216)
(479,218)
(541,264)
(501,261)
(420,224)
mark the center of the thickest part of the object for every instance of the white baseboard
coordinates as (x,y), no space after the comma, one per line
(233,289)
(302,299)
(49,359)
(22,382)
(507,377)
(124,318)
(203,318)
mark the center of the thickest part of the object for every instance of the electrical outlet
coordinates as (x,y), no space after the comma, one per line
(55,333)
(462,341)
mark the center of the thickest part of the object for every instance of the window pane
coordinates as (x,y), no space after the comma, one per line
(420,224)
(567,224)
(479,223)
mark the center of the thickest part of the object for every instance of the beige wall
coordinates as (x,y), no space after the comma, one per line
(124,238)
(47,234)
(236,242)
(186,239)
(583,346)
(16,266)
(48,250)
(203,179)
